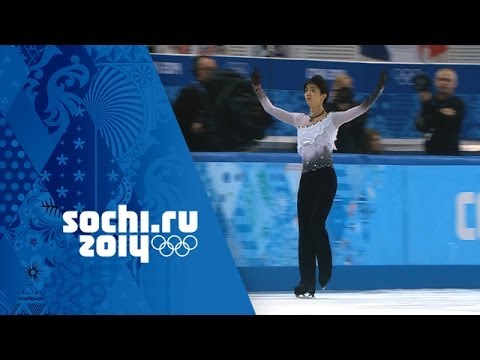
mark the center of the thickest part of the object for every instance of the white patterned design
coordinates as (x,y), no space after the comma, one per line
(316,144)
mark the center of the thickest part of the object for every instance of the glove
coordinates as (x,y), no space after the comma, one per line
(256,78)
(383,79)
(378,90)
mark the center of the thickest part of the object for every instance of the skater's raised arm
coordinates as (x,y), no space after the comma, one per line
(340,118)
(280,114)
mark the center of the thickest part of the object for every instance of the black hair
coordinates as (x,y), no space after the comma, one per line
(321,83)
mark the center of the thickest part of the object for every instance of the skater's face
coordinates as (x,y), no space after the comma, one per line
(313,95)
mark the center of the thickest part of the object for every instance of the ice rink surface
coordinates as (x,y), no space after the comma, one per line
(375,302)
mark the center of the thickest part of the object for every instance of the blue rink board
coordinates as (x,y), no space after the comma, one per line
(397,221)
(259,279)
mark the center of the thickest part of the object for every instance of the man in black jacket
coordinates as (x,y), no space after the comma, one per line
(441,115)
(351,136)
(192,107)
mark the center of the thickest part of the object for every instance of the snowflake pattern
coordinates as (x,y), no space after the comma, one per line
(76,174)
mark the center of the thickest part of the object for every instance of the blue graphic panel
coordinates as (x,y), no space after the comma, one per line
(90,132)
(16,175)
(13,277)
(13,74)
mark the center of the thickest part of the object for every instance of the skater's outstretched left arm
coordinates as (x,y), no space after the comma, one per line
(339,118)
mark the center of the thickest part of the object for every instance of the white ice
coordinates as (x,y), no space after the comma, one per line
(378,302)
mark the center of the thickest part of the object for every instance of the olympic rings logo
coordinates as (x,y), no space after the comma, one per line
(404,76)
(173,244)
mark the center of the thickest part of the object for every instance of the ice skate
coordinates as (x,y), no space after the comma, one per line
(300,291)
(324,277)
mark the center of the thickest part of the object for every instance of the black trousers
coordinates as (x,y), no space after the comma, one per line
(316,193)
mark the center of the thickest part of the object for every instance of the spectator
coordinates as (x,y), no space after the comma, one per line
(281,50)
(262,50)
(373,142)
(192,107)
(350,138)
(210,50)
(441,115)
(236,112)
(341,80)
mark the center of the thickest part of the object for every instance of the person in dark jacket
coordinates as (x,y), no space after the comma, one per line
(351,136)
(192,107)
(441,114)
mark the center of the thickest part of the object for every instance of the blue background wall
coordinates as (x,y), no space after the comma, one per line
(393,114)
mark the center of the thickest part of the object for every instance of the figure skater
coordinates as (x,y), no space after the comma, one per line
(316,134)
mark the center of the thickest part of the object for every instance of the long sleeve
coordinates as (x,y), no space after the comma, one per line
(427,116)
(350,114)
(280,114)
(444,129)
(341,117)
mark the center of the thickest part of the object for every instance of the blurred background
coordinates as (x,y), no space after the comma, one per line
(286,67)
(424,53)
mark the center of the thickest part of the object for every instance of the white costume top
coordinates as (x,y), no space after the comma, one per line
(315,143)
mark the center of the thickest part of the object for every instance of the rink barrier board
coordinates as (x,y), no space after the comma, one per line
(412,236)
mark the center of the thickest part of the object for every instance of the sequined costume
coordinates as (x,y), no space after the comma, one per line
(315,143)
(318,185)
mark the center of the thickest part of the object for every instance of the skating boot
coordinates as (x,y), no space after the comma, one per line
(300,291)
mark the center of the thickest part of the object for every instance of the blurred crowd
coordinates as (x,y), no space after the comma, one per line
(219,111)
(395,53)
(212,120)
(211,50)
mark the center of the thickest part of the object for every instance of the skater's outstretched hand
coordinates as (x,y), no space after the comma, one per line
(383,79)
(378,90)
(256,78)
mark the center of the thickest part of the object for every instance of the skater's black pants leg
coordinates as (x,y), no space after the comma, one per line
(316,193)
